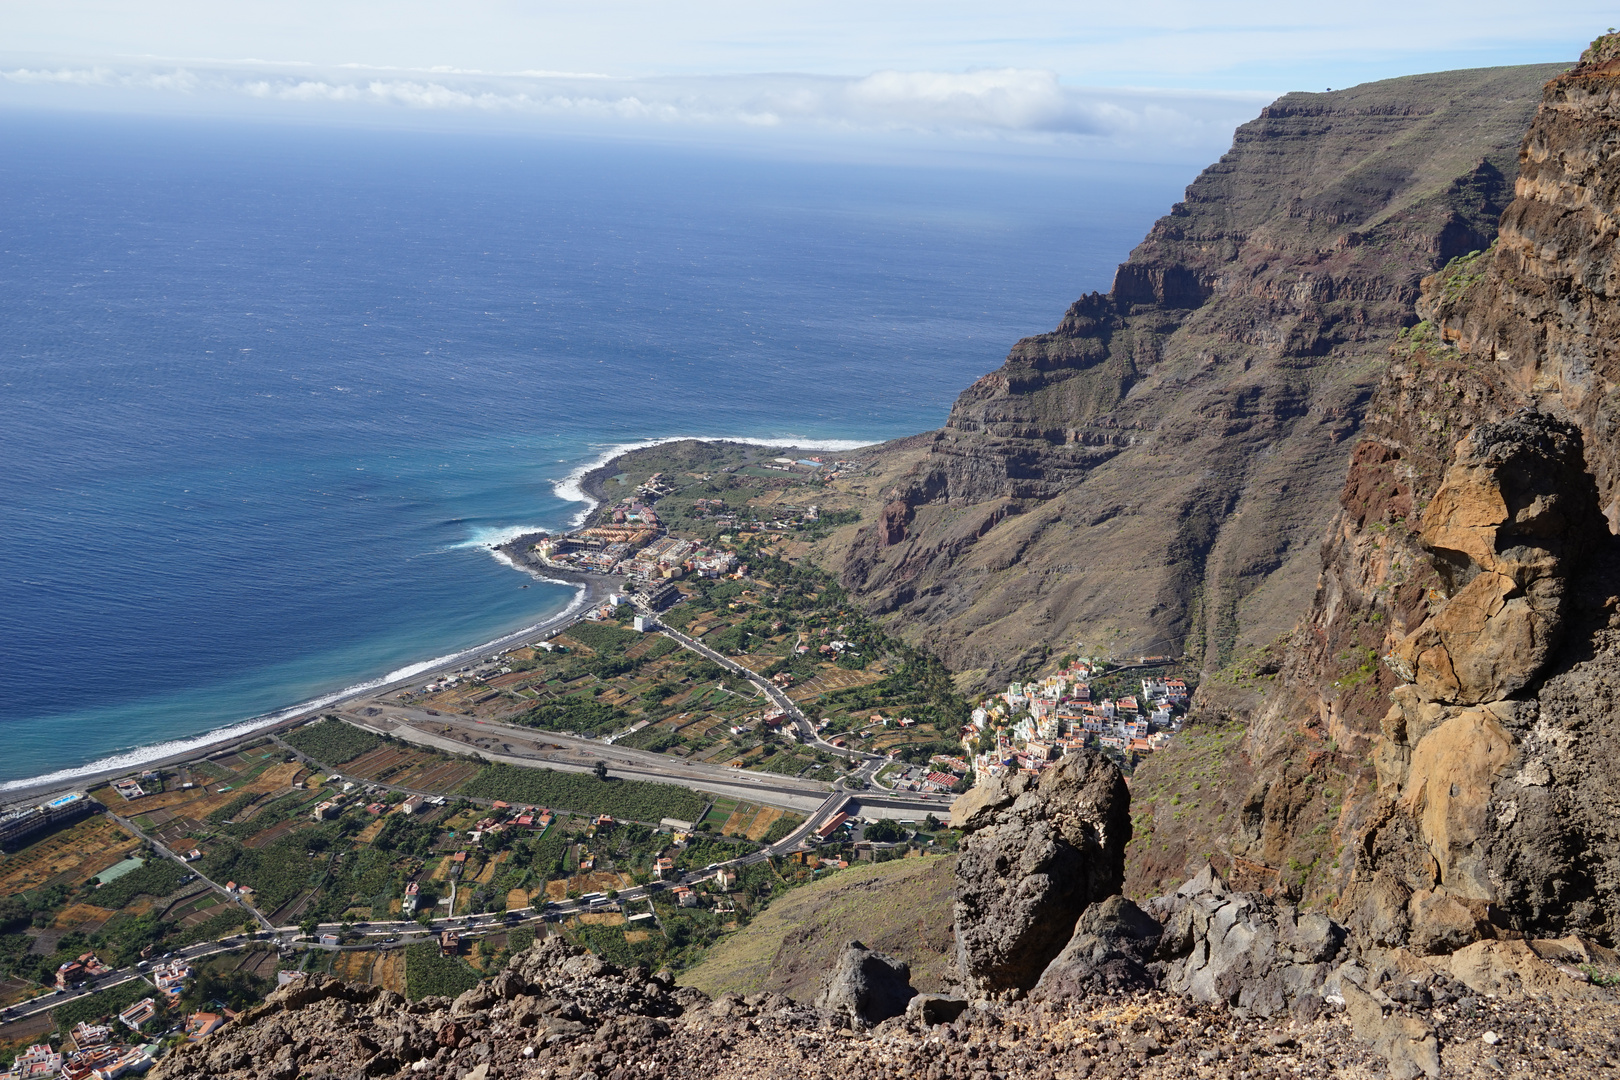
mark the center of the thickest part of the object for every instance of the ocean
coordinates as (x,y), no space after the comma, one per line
(270,392)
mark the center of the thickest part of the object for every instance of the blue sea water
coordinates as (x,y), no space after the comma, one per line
(269,391)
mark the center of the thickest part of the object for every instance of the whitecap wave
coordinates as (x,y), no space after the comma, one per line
(493,536)
(570,487)
(138,756)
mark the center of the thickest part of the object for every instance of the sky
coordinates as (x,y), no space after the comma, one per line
(1151,80)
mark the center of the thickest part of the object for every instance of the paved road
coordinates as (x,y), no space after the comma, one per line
(530,748)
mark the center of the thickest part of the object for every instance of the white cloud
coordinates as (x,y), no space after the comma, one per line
(1001,104)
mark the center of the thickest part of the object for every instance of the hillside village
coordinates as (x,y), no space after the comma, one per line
(1030,725)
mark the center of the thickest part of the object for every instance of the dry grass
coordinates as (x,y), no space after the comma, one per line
(487,874)
(369,833)
(85,917)
(389,971)
(903,908)
(71,856)
(353,967)
(832,679)
(739,819)
(604,918)
(762,822)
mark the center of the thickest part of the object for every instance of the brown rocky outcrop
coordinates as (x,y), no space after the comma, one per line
(1034,854)
(1467,777)
(1508,528)
(324,1029)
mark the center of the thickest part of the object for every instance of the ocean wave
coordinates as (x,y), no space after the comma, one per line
(137,756)
(570,488)
(493,536)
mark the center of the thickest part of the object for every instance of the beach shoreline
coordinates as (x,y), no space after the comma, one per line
(592,590)
(587,485)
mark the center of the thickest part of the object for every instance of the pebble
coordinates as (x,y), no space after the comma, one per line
(1490,1038)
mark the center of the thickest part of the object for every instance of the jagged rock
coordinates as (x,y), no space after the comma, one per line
(1511,523)
(1406,1043)
(933,1009)
(1113,945)
(1034,854)
(866,986)
(1258,955)
(474,1001)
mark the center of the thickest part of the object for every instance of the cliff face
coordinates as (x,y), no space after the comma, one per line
(1156,472)
(1448,710)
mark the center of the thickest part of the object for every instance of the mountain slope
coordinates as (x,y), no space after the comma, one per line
(1441,752)
(901,908)
(1156,472)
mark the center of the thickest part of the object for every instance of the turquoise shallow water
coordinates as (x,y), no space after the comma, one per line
(270,391)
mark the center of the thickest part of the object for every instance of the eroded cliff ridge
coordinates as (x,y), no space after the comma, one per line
(1155,473)
(1442,758)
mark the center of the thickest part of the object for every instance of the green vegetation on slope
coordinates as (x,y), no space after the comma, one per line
(428,974)
(157,877)
(903,908)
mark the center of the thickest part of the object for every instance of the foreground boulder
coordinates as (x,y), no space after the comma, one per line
(1257,955)
(865,986)
(1112,950)
(1034,855)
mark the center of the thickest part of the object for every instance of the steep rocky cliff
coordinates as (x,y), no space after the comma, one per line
(1156,472)
(1442,755)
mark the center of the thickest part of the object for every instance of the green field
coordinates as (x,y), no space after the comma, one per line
(632,800)
(332,742)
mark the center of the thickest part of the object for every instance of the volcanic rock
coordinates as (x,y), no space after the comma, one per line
(1258,955)
(866,986)
(1034,854)
(1514,517)
(1111,950)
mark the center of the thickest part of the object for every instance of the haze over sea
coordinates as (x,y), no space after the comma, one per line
(269,392)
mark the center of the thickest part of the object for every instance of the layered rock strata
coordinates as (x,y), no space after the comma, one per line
(1447,719)
(1154,474)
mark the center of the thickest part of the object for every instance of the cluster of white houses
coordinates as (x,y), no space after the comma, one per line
(1031,725)
(637,550)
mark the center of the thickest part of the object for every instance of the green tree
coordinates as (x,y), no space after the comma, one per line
(601,770)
